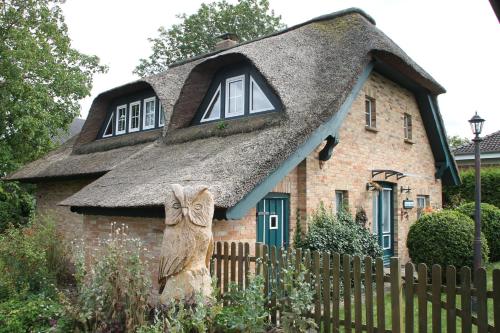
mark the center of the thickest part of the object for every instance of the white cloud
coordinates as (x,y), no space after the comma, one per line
(455,41)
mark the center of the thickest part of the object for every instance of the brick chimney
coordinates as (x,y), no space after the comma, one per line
(226,40)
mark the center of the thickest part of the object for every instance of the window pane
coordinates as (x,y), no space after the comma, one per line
(213,111)
(368,112)
(162,116)
(258,100)
(109,129)
(121,119)
(149,118)
(386,212)
(235,98)
(375,212)
(134,116)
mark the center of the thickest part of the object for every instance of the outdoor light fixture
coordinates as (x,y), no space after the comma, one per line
(476,124)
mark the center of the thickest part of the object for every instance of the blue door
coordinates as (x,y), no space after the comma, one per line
(273,221)
(383,222)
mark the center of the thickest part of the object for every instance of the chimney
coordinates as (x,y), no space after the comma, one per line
(226,41)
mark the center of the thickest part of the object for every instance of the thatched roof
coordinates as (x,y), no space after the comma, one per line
(311,67)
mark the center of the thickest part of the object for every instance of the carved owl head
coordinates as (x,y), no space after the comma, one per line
(195,203)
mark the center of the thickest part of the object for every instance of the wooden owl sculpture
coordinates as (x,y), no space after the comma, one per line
(187,243)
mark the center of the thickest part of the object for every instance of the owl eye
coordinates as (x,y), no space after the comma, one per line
(176,205)
(198,206)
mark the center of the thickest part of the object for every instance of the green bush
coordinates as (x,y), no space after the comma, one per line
(33,259)
(37,313)
(340,233)
(490,225)
(490,190)
(17,204)
(444,238)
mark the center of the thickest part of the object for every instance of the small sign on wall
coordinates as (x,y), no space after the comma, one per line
(408,204)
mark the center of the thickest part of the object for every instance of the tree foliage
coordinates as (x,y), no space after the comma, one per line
(456,141)
(197,33)
(42,79)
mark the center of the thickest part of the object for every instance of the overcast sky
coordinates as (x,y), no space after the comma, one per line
(457,42)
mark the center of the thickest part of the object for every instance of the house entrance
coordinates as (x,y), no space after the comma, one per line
(383,219)
(273,220)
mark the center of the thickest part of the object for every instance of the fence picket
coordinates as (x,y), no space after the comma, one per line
(265,269)
(466,300)
(233,262)
(409,299)
(358,311)
(336,292)
(496,300)
(451,290)
(379,285)
(369,294)
(240,266)
(326,292)
(307,263)
(258,258)
(247,263)
(317,282)
(422,298)
(347,293)
(482,301)
(396,295)
(275,282)
(226,267)
(218,267)
(436,298)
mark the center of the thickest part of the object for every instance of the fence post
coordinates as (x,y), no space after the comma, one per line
(436,298)
(274,282)
(396,296)
(219,266)
(317,282)
(358,310)
(225,261)
(347,293)
(240,266)
(336,292)
(482,301)
(369,294)
(466,300)
(379,285)
(233,262)
(451,285)
(247,264)
(326,292)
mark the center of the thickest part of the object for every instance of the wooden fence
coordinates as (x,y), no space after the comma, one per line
(362,295)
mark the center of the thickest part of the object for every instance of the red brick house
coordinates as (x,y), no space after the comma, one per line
(330,110)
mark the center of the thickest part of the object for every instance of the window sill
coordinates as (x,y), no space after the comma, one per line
(408,141)
(371,129)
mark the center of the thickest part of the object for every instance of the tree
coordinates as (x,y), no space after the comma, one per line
(42,79)
(456,141)
(197,33)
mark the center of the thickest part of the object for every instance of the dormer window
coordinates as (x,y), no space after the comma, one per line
(236,92)
(108,131)
(135,116)
(149,113)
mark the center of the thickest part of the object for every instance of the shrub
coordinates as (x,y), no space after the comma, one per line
(444,238)
(490,191)
(17,204)
(32,259)
(37,313)
(340,233)
(490,225)
(112,296)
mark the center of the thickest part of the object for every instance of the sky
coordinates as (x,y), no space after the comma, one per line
(456,41)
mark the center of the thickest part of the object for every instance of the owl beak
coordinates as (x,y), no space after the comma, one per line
(184,211)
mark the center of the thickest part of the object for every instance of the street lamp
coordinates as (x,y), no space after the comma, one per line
(476,124)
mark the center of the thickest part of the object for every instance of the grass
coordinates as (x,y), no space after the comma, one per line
(388,317)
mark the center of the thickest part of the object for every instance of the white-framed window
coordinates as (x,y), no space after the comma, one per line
(213,110)
(422,203)
(108,131)
(407,124)
(134,116)
(148,118)
(340,201)
(370,112)
(121,119)
(235,96)
(273,221)
(161,117)
(258,100)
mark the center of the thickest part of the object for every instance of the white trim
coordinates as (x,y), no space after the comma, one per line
(217,92)
(282,222)
(484,156)
(277,222)
(130,129)
(228,82)
(118,108)
(250,97)
(264,226)
(107,125)
(162,112)
(144,109)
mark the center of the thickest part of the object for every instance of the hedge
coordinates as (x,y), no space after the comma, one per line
(490,225)
(444,238)
(490,190)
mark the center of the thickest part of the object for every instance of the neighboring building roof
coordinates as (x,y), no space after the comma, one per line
(489,144)
(74,128)
(314,68)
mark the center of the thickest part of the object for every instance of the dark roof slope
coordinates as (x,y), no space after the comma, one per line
(312,68)
(489,144)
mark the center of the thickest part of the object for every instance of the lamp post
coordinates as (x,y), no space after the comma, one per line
(476,124)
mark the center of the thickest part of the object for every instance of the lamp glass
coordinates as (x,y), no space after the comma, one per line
(476,124)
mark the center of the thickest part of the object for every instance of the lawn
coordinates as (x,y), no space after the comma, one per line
(388,316)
